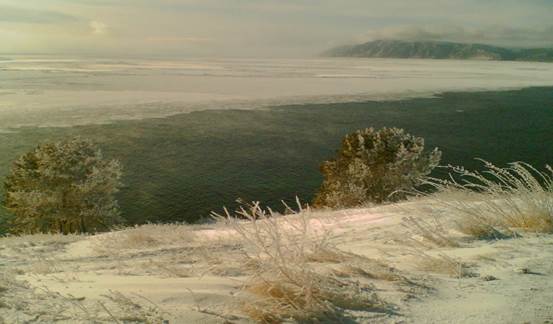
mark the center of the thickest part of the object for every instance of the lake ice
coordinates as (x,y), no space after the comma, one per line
(48,91)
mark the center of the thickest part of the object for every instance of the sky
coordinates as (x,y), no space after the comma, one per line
(261,28)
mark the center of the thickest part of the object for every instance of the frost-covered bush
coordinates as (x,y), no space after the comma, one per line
(374,166)
(498,201)
(63,187)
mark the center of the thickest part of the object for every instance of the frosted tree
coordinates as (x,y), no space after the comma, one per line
(63,187)
(374,166)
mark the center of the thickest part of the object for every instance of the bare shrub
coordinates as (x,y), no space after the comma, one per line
(374,166)
(502,200)
(285,284)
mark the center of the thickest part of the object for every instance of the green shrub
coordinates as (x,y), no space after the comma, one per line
(374,166)
(63,187)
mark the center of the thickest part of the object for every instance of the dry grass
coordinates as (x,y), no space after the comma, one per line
(304,295)
(325,254)
(7,278)
(51,241)
(442,264)
(44,266)
(267,236)
(144,237)
(376,270)
(129,310)
(498,201)
(22,303)
(287,285)
(432,233)
(170,269)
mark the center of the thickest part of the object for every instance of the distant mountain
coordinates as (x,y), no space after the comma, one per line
(441,50)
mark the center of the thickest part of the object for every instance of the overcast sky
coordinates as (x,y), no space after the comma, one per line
(264,28)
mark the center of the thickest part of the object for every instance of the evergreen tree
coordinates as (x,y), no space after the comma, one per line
(374,166)
(63,187)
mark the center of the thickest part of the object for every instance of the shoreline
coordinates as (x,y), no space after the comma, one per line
(202,161)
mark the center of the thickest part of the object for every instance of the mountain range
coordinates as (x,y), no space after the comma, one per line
(440,50)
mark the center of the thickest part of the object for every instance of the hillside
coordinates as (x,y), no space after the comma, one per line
(440,50)
(454,256)
(375,266)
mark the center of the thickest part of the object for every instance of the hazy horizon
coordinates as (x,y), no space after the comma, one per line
(255,28)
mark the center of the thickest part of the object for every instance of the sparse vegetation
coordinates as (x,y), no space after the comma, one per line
(63,187)
(498,201)
(442,264)
(433,233)
(294,269)
(21,302)
(285,284)
(146,236)
(371,269)
(374,166)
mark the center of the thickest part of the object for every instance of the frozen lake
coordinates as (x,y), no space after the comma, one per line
(48,91)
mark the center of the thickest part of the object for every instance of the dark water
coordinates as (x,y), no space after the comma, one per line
(180,168)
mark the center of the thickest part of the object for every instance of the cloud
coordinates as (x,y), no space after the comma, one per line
(98,27)
(273,28)
(177,39)
(496,34)
(20,15)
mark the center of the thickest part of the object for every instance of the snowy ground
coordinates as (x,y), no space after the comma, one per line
(194,274)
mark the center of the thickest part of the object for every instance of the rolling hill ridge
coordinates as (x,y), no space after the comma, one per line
(440,50)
